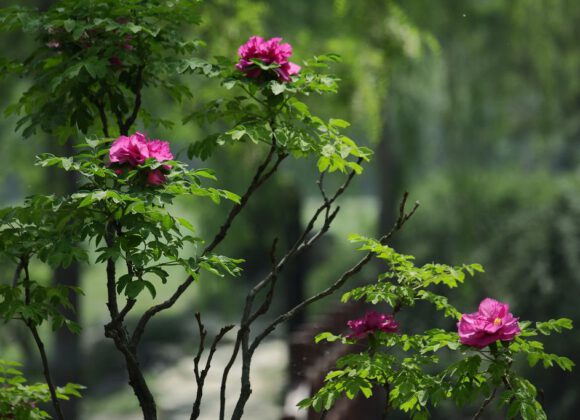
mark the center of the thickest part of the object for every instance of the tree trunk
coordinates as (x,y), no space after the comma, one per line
(67,352)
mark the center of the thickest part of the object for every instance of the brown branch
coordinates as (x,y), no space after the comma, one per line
(268,300)
(226,374)
(200,376)
(23,265)
(117,331)
(46,370)
(259,178)
(137,104)
(249,349)
(485,404)
(402,219)
(102,114)
(299,246)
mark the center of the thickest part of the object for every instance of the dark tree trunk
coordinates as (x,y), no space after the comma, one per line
(67,352)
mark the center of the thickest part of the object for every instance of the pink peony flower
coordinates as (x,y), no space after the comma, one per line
(135,149)
(490,323)
(131,150)
(268,52)
(371,323)
(159,150)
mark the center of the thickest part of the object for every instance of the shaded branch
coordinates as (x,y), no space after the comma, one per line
(259,178)
(102,114)
(200,376)
(118,115)
(402,219)
(301,244)
(117,331)
(485,404)
(39,344)
(46,370)
(137,104)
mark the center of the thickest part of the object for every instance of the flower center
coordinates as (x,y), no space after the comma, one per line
(497,321)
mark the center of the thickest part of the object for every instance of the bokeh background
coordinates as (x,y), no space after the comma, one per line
(472,106)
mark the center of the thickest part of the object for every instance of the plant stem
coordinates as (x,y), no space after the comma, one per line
(485,403)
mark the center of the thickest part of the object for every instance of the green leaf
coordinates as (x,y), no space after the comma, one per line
(277,87)
(134,288)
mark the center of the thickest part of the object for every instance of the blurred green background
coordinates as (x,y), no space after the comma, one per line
(472,106)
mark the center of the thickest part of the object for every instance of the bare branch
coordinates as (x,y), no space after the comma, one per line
(259,178)
(402,219)
(23,265)
(200,376)
(243,338)
(485,404)
(268,300)
(226,374)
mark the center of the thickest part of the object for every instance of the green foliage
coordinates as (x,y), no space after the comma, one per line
(19,400)
(268,111)
(94,59)
(404,284)
(409,366)
(127,218)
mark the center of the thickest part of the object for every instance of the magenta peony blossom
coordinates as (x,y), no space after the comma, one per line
(135,149)
(371,323)
(131,150)
(268,52)
(490,323)
(159,150)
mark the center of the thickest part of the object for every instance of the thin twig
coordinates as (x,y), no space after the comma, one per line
(485,404)
(269,297)
(259,178)
(300,245)
(39,344)
(200,376)
(226,373)
(403,218)
(137,104)
(46,370)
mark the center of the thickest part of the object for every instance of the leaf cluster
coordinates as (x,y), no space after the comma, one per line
(420,371)
(18,400)
(95,57)
(265,110)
